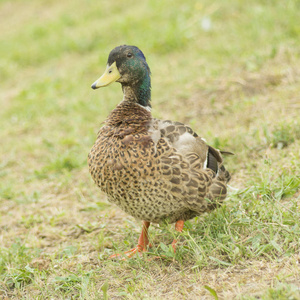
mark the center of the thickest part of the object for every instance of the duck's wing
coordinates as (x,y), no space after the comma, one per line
(188,143)
(199,173)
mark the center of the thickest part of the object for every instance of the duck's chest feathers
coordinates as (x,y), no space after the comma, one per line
(121,154)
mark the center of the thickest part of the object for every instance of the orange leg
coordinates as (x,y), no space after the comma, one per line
(141,246)
(178,227)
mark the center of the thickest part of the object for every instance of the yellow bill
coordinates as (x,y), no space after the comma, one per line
(110,75)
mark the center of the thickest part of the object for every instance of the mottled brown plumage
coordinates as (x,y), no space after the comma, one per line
(154,170)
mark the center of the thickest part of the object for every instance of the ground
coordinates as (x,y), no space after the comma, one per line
(228,69)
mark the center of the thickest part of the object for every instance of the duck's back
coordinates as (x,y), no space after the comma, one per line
(156,170)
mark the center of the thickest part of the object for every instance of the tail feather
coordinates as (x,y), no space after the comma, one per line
(224,174)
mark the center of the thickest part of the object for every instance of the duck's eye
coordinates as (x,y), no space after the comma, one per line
(129,54)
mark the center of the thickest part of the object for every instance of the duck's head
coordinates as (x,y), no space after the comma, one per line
(127,65)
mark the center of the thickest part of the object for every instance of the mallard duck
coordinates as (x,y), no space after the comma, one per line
(155,170)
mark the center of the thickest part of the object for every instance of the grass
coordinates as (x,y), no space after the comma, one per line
(227,69)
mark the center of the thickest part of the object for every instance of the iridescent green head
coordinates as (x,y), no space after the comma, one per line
(127,65)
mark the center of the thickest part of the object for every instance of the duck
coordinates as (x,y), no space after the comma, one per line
(155,170)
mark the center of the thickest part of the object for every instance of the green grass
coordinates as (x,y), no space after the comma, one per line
(236,83)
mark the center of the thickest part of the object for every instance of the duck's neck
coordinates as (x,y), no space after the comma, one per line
(139,93)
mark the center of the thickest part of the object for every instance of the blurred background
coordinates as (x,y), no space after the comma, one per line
(230,69)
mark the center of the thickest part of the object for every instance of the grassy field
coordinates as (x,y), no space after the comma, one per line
(230,69)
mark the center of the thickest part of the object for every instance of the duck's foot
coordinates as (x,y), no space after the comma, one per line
(130,253)
(178,227)
(143,243)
